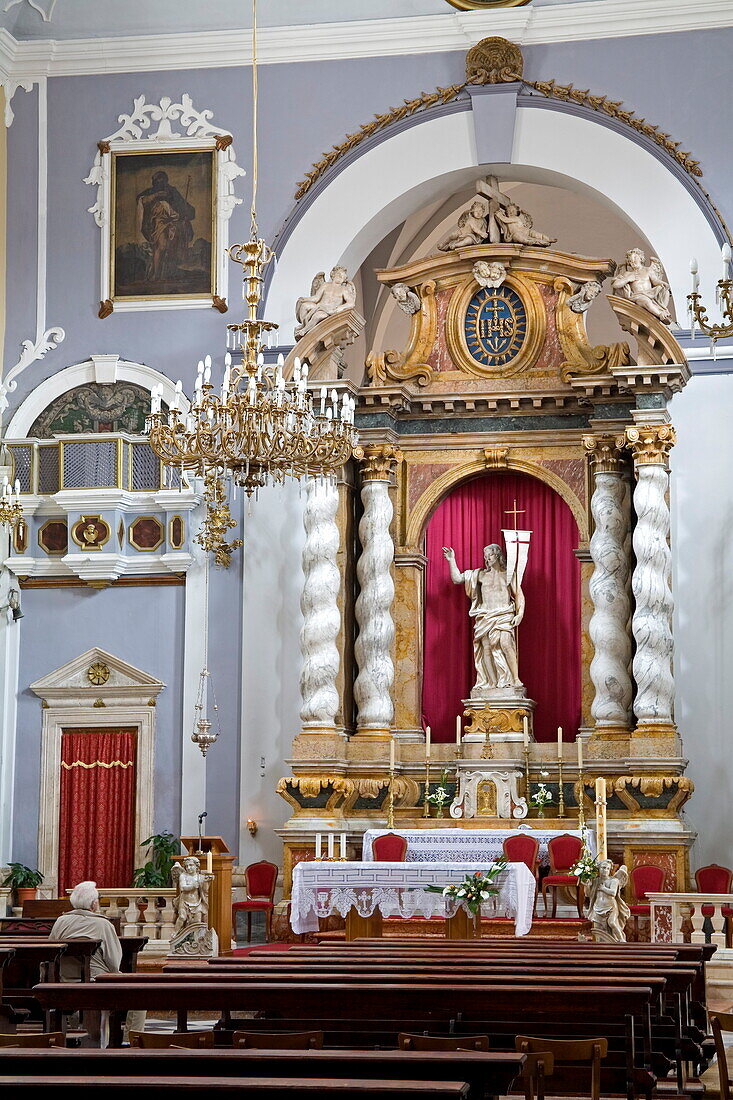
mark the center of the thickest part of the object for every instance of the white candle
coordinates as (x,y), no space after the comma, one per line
(343,845)
(525,730)
(319,843)
(458,729)
(209,866)
(579,743)
(391,755)
(559,742)
(330,845)
(427,742)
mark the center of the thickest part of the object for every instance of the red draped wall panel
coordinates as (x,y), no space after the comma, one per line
(96,826)
(471,517)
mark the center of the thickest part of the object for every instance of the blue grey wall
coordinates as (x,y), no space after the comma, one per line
(141,625)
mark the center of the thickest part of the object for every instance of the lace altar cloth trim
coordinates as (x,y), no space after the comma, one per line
(457,845)
(398,890)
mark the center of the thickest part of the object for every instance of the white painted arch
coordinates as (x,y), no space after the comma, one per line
(433,158)
(105,369)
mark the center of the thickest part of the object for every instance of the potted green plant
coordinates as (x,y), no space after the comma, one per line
(164,848)
(24,881)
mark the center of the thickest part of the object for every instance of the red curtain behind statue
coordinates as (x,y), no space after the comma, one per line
(471,517)
(96,824)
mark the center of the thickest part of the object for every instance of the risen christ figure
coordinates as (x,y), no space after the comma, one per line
(497,608)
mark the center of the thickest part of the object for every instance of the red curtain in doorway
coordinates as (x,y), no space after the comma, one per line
(97,816)
(470,518)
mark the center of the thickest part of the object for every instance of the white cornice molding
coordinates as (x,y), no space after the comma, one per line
(574,22)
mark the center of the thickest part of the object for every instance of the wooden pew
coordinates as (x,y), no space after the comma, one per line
(486,1074)
(119,1088)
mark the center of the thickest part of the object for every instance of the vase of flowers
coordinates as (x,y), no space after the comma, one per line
(473,891)
(440,796)
(586,869)
(542,797)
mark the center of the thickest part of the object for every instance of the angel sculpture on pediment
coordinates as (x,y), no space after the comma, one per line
(488,273)
(517,227)
(644,284)
(472,228)
(327,296)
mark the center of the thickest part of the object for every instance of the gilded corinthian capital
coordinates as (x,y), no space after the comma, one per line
(604,453)
(650,444)
(379,462)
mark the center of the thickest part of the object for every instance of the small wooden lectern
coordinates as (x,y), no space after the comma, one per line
(220,895)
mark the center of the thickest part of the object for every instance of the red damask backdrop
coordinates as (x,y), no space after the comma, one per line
(97,818)
(471,517)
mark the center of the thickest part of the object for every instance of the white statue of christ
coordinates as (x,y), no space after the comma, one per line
(497,608)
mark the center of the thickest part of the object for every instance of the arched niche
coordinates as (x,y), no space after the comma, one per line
(469,517)
(382,183)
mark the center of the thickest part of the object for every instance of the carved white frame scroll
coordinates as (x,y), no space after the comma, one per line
(180,125)
(509,803)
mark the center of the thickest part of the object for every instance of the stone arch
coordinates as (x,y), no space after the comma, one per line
(439,489)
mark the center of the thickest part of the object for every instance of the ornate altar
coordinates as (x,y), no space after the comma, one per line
(498,379)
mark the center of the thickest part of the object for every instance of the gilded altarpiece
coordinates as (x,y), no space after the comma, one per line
(500,378)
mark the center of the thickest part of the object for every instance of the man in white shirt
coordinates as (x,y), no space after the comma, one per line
(84,921)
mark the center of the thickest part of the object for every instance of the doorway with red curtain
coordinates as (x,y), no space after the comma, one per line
(97,816)
(469,518)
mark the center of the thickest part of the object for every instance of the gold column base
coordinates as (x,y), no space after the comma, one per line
(655,729)
(372,734)
(610,733)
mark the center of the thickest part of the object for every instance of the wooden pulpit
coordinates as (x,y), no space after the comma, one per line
(220,895)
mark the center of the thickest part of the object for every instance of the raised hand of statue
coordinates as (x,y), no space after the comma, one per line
(449,553)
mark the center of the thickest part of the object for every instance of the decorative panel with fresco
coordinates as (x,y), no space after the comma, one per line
(119,407)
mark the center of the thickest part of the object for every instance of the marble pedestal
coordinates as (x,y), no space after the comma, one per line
(499,718)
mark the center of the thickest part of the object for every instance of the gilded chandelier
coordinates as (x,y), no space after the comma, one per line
(258,427)
(10,506)
(723,298)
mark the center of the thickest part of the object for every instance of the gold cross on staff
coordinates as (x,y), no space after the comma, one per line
(514,512)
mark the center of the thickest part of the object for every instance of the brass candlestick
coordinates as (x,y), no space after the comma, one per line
(581,809)
(390,799)
(561,793)
(426,804)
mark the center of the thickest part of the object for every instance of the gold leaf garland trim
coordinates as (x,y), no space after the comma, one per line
(97,764)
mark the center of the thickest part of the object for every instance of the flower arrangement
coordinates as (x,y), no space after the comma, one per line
(440,795)
(475,889)
(586,869)
(541,797)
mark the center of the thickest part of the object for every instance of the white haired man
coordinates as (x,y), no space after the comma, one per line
(85,921)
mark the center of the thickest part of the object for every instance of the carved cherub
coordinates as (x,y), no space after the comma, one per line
(517,227)
(327,296)
(644,285)
(608,911)
(406,298)
(472,228)
(489,273)
(585,296)
(191,903)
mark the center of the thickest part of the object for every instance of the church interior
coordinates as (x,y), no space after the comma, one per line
(363,699)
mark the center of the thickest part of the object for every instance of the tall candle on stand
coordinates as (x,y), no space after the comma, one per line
(318,845)
(601,840)
(579,743)
(343,845)
(458,729)
(559,742)
(330,845)
(525,731)
(209,866)
(428,736)
(391,755)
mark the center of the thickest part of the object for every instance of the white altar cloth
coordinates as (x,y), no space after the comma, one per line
(458,845)
(398,890)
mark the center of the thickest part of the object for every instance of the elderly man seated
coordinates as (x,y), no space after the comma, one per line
(84,921)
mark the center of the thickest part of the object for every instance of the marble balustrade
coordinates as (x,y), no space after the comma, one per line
(670,913)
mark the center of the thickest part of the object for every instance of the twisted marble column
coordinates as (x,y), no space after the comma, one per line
(319,604)
(609,587)
(652,619)
(373,648)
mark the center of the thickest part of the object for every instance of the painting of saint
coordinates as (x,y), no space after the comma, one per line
(163,219)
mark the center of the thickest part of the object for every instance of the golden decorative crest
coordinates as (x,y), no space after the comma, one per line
(484,5)
(98,673)
(494,61)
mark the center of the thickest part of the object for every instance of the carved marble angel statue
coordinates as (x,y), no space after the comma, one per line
(644,284)
(497,608)
(608,911)
(517,227)
(585,296)
(191,902)
(327,296)
(489,273)
(406,298)
(472,228)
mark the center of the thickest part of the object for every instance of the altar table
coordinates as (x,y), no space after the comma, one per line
(398,890)
(454,845)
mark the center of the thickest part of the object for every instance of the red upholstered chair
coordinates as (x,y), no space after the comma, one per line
(564,852)
(260,880)
(523,848)
(645,879)
(715,879)
(389,848)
